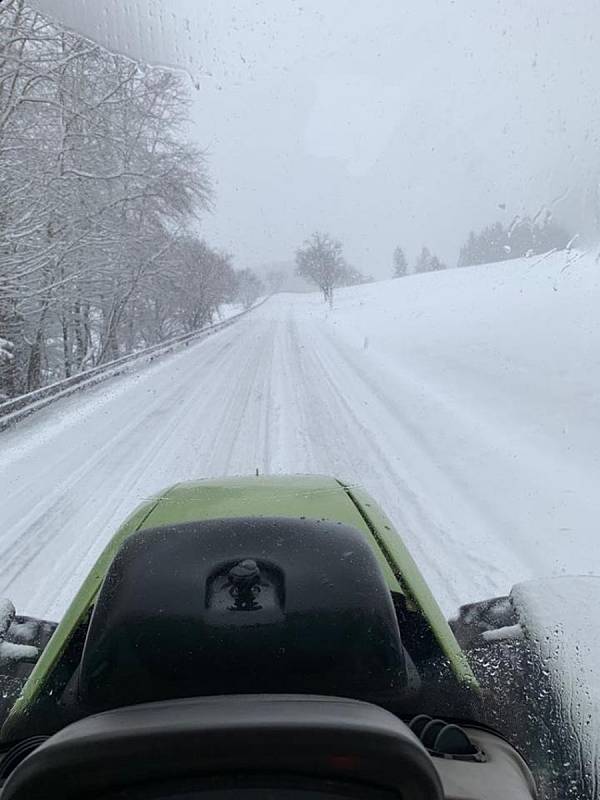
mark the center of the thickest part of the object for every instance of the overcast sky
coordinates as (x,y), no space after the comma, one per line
(383,122)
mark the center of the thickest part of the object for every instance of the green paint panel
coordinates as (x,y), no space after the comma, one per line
(413,583)
(311,496)
(289,496)
(74,614)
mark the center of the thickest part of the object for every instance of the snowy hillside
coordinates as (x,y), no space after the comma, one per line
(495,371)
(466,401)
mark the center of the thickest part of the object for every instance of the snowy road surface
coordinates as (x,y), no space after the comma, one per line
(467,403)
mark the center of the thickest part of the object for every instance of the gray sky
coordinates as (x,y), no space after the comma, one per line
(383,122)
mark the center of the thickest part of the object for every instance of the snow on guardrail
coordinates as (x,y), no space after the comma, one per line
(11,411)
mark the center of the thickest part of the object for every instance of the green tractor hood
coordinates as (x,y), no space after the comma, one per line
(315,497)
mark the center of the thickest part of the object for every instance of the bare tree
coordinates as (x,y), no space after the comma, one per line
(350,276)
(249,287)
(99,194)
(321,261)
(207,281)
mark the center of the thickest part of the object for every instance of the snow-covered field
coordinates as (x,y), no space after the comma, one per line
(467,402)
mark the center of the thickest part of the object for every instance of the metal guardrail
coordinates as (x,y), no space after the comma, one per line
(11,411)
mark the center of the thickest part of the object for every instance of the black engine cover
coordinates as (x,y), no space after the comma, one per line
(251,605)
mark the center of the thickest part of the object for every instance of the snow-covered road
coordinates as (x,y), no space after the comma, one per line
(465,465)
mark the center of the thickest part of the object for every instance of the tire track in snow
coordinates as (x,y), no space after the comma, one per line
(438,513)
(277,391)
(122,424)
(34,528)
(84,503)
(350,449)
(376,444)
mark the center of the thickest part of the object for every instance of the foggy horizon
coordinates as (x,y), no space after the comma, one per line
(381,128)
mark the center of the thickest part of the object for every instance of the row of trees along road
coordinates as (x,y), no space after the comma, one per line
(321,261)
(523,237)
(100,198)
(494,243)
(426,262)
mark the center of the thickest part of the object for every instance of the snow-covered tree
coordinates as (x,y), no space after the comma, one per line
(351,276)
(423,261)
(321,261)
(400,263)
(249,287)
(435,264)
(426,262)
(524,235)
(100,193)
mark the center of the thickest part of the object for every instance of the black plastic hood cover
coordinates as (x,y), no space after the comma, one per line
(242,606)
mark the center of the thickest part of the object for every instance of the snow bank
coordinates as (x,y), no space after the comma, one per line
(6,350)
(228,310)
(10,651)
(536,318)
(494,372)
(7,614)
